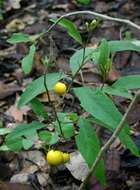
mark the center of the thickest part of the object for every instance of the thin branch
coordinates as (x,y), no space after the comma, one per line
(110,141)
(103,16)
(80,67)
(52,105)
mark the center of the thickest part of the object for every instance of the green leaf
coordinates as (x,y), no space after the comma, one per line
(77,58)
(19,38)
(4,131)
(1,15)
(4,148)
(89,146)
(66,125)
(27,143)
(117,92)
(123,45)
(25,129)
(15,138)
(104,53)
(99,105)
(100,54)
(38,108)
(27,61)
(37,87)
(104,61)
(45,136)
(54,139)
(84,2)
(68,130)
(71,28)
(32,135)
(103,110)
(73,117)
(128,82)
(14,144)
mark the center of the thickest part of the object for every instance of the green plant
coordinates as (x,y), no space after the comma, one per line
(1,9)
(84,2)
(98,102)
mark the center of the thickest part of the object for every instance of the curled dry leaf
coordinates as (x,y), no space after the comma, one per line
(77,166)
(15,25)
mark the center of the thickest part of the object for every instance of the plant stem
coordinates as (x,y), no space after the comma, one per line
(125,21)
(103,16)
(52,105)
(81,65)
(110,141)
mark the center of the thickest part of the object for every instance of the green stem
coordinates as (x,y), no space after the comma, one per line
(52,105)
(80,67)
(103,16)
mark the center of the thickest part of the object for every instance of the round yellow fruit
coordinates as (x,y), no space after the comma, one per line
(60,88)
(66,157)
(54,157)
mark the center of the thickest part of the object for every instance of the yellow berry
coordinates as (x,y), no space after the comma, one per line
(54,157)
(66,157)
(60,88)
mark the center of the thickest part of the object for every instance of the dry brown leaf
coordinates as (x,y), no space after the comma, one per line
(8,89)
(113,161)
(44,97)
(8,52)
(77,166)
(15,4)
(14,186)
(15,25)
(15,113)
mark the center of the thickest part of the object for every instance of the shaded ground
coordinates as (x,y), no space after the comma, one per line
(33,16)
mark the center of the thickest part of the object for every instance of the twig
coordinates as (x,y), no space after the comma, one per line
(103,16)
(110,141)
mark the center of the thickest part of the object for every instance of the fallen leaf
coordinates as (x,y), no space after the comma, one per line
(14,186)
(15,113)
(77,166)
(15,4)
(15,25)
(8,89)
(8,52)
